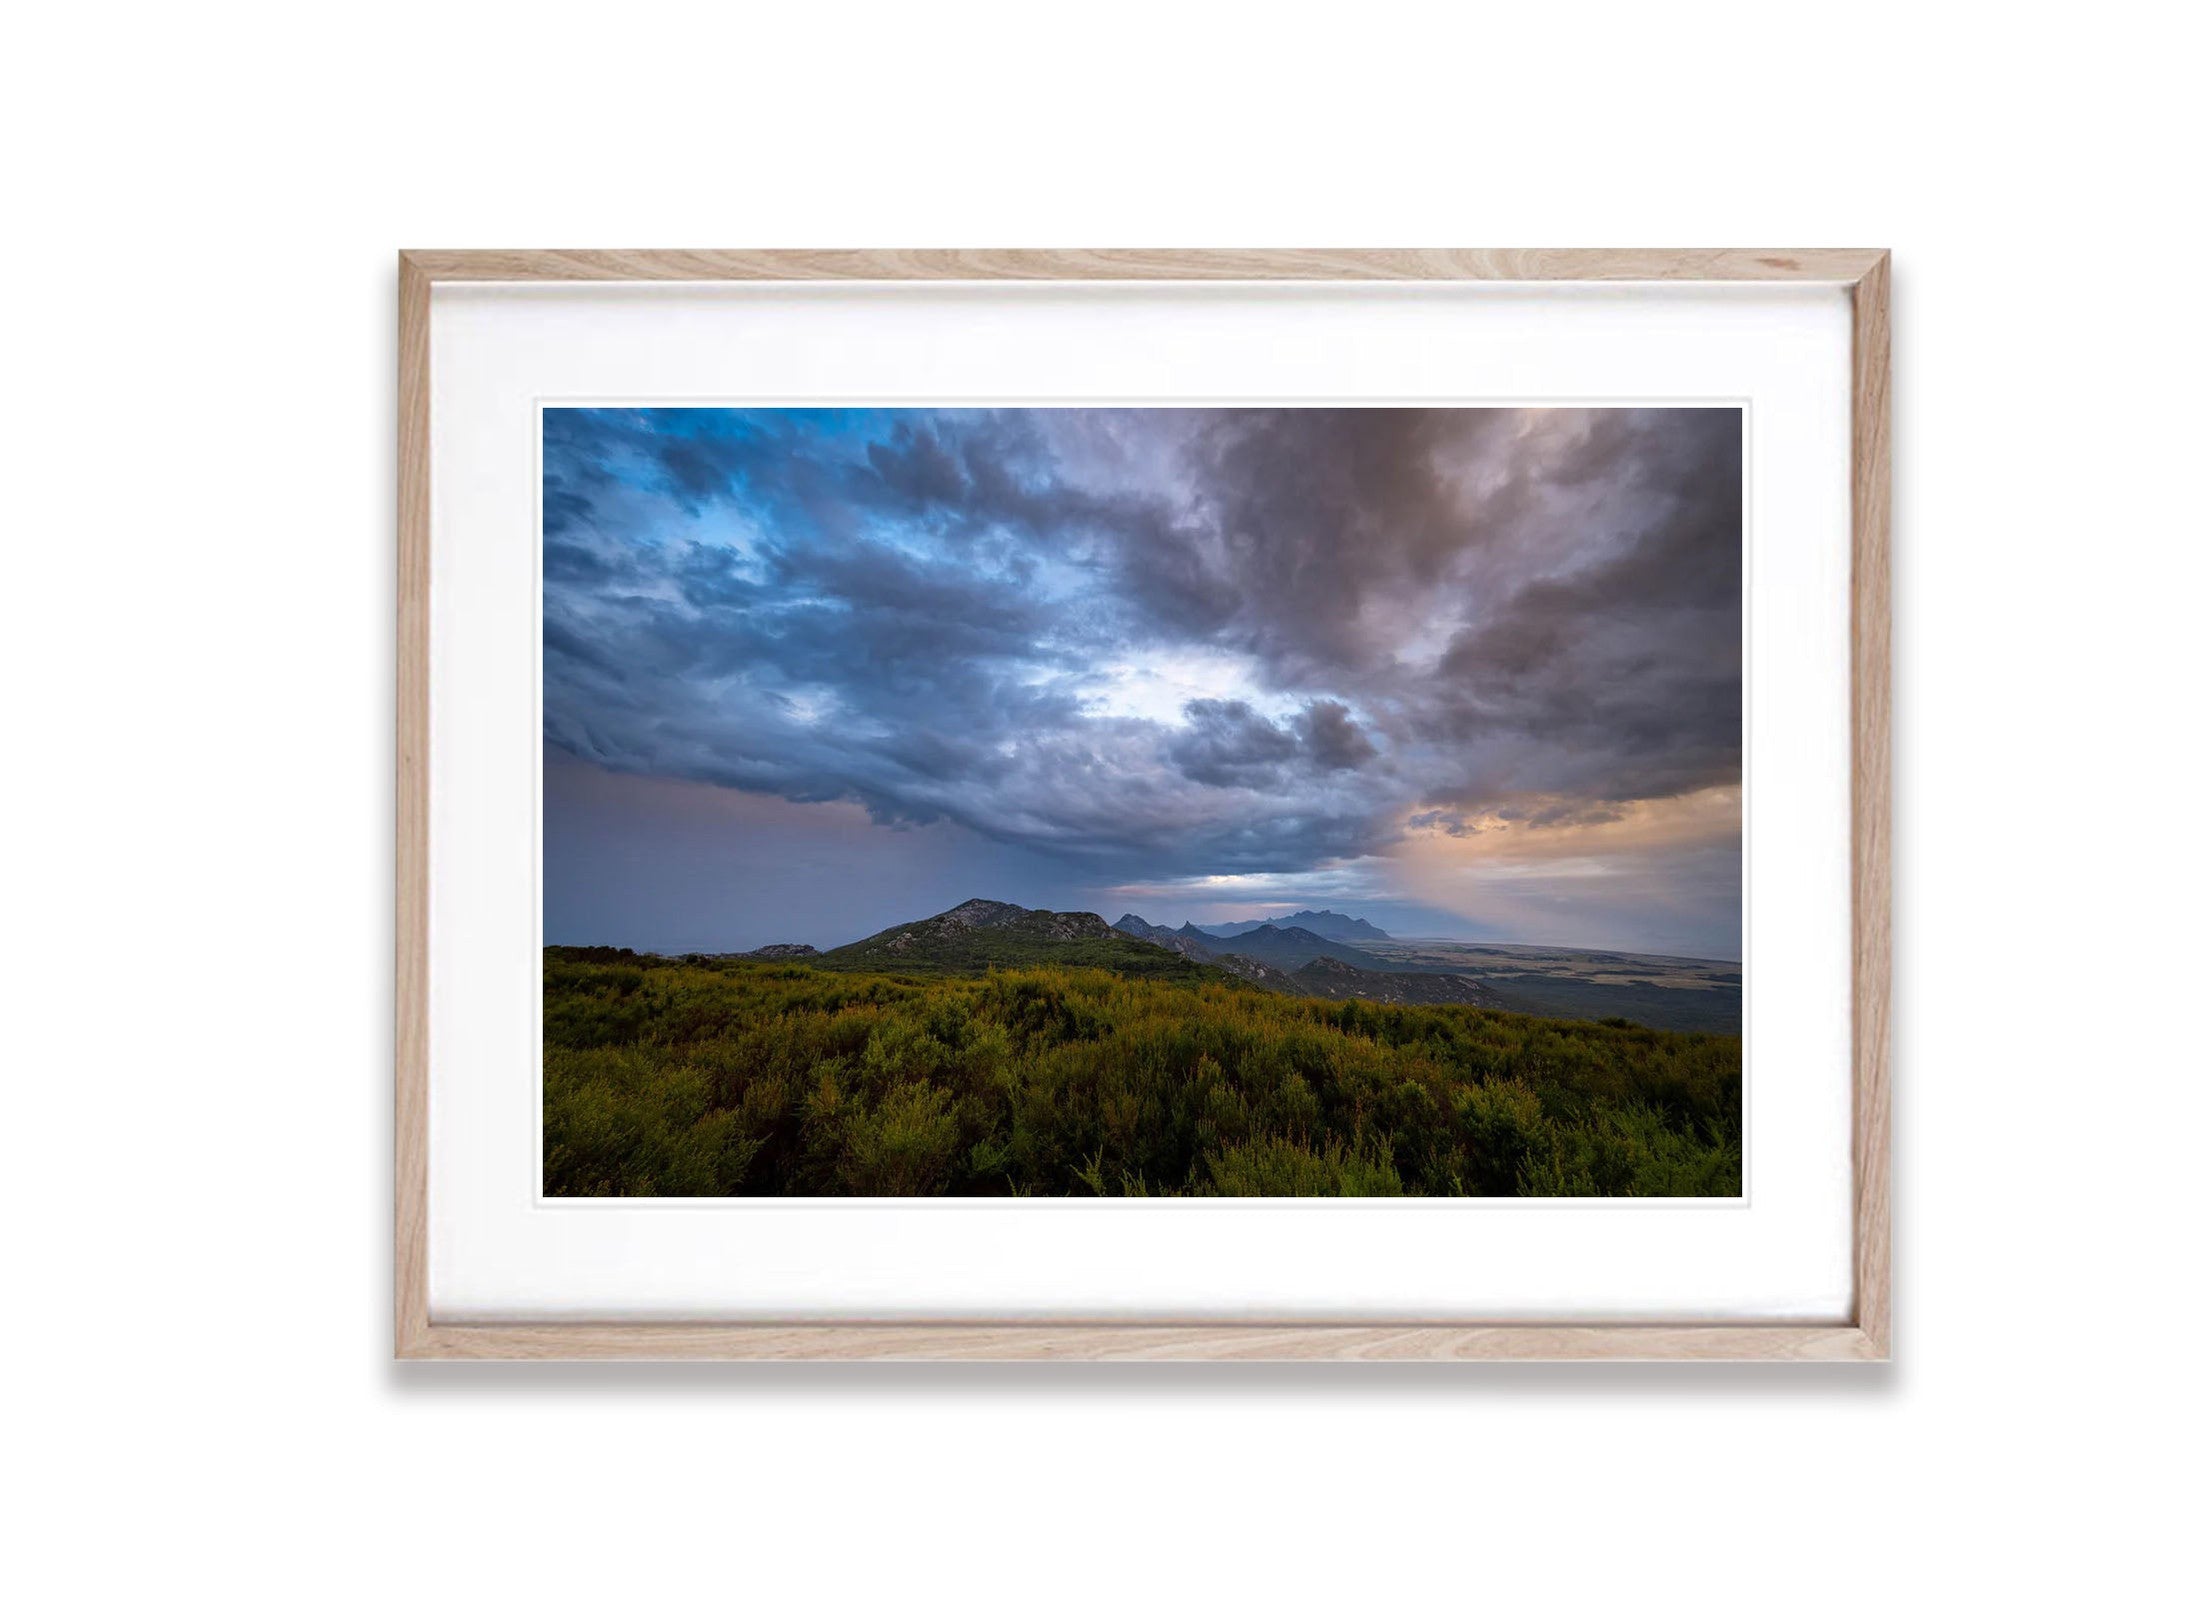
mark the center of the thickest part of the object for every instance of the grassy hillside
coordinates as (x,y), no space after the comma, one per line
(981,949)
(702,1078)
(981,935)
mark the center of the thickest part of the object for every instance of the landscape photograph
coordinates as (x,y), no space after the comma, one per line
(1142,803)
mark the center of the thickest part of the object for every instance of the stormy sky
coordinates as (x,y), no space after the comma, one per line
(1465,672)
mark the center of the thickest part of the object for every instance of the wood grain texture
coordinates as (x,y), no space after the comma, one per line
(1870,666)
(1865,1337)
(413,511)
(1144,1341)
(1224,266)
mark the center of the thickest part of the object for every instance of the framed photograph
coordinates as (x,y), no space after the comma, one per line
(1258,804)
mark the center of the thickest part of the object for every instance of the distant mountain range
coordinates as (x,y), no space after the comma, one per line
(1676,993)
(1329,924)
(980,934)
(983,933)
(1269,943)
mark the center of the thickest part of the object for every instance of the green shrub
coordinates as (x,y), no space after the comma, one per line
(1272,1168)
(906,1145)
(707,1078)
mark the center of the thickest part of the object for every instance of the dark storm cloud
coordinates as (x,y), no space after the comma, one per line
(1315,514)
(1229,743)
(1333,740)
(1164,641)
(1620,679)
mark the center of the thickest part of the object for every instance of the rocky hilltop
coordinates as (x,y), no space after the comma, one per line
(982,933)
(1185,941)
(992,915)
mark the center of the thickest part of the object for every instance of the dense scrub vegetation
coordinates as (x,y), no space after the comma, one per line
(722,1077)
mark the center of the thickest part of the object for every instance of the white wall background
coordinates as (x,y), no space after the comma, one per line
(205,202)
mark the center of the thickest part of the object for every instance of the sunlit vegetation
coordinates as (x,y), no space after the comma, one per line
(728,1078)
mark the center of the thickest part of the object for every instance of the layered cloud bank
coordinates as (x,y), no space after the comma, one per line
(1482,664)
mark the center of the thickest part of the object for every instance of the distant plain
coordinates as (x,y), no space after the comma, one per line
(1679,993)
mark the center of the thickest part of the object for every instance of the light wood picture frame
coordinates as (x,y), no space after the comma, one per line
(1863,1335)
